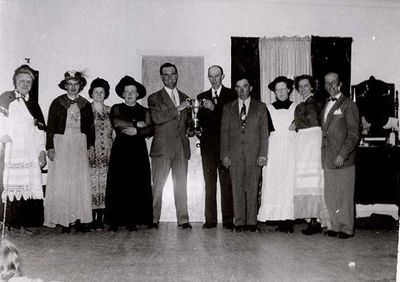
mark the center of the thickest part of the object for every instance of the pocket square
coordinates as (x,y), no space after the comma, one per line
(337,112)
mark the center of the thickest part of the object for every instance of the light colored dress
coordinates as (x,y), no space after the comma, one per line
(68,191)
(99,165)
(279,174)
(22,176)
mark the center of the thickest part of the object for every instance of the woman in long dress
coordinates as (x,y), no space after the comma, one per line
(128,194)
(278,175)
(99,91)
(309,201)
(70,144)
(22,149)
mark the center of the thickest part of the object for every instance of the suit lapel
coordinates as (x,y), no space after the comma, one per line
(235,110)
(332,110)
(166,98)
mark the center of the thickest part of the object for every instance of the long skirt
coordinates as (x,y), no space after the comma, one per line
(68,192)
(309,199)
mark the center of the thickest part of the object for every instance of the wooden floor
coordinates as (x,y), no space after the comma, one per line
(172,254)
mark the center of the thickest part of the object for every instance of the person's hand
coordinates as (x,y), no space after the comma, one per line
(5,139)
(141,124)
(91,153)
(261,161)
(42,159)
(131,131)
(51,153)
(226,162)
(339,161)
(365,125)
(208,104)
(183,105)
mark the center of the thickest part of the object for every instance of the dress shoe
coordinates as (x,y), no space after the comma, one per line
(82,227)
(343,235)
(229,226)
(312,229)
(113,228)
(152,226)
(331,233)
(185,226)
(66,229)
(251,228)
(239,228)
(209,225)
(131,227)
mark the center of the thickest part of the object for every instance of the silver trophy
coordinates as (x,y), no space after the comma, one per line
(195,105)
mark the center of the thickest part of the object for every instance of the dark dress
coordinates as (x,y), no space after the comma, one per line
(128,192)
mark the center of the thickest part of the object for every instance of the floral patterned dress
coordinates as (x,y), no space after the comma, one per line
(99,165)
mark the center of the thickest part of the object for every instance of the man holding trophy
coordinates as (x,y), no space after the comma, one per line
(209,119)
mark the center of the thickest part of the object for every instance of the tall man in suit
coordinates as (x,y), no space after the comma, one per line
(244,146)
(170,147)
(210,121)
(340,136)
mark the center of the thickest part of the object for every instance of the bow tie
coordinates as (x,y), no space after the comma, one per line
(333,99)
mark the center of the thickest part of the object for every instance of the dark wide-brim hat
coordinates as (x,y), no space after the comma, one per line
(76,75)
(288,81)
(99,82)
(128,80)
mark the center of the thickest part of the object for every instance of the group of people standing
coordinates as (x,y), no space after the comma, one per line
(99,170)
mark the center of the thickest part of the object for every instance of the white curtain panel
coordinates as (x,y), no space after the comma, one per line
(287,56)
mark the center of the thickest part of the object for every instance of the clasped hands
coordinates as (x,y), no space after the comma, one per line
(261,161)
(132,131)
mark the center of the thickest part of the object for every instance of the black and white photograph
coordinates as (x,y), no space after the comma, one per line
(199,140)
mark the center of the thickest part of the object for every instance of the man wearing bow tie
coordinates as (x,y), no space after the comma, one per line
(340,136)
(244,148)
(22,151)
(210,122)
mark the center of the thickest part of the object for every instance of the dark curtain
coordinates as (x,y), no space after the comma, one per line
(331,54)
(245,60)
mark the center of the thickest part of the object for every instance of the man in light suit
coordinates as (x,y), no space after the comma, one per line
(170,147)
(210,122)
(340,137)
(244,147)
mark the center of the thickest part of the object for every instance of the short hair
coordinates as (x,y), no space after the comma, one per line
(168,65)
(243,76)
(24,69)
(216,66)
(10,261)
(333,72)
(310,79)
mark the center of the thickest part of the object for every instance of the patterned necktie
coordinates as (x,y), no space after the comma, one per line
(215,97)
(243,114)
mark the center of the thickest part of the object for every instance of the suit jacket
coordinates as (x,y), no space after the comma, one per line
(253,139)
(169,125)
(340,132)
(210,121)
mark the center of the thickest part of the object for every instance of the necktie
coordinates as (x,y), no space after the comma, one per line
(243,114)
(215,97)
(173,98)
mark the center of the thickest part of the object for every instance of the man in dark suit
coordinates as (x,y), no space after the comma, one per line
(244,146)
(170,147)
(340,136)
(210,121)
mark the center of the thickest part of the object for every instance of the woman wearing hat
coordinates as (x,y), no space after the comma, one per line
(128,194)
(278,175)
(70,144)
(99,91)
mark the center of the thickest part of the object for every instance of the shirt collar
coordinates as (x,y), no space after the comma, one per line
(218,91)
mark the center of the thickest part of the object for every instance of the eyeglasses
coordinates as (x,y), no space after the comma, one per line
(72,84)
(280,89)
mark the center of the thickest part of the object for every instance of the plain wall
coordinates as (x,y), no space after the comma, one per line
(108,38)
